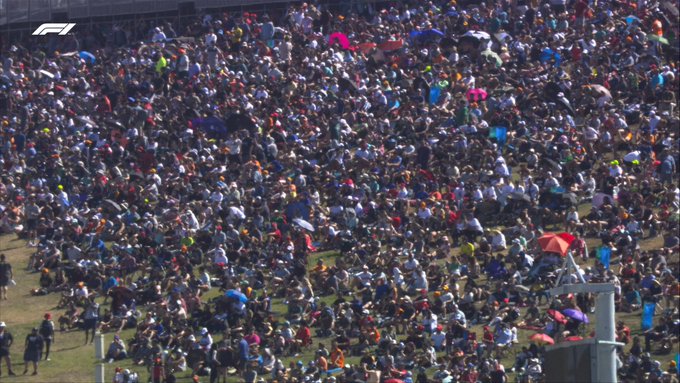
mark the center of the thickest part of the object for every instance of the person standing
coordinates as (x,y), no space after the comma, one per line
(91,318)
(6,276)
(33,350)
(6,341)
(158,371)
(47,332)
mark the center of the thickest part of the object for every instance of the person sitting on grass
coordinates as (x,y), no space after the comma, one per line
(117,349)
(69,319)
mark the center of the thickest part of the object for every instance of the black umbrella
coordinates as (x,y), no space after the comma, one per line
(552,163)
(446,43)
(115,123)
(468,43)
(112,205)
(239,121)
(551,93)
(517,196)
(347,85)
(570,198)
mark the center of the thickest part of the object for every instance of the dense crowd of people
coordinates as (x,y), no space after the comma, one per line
(430,144)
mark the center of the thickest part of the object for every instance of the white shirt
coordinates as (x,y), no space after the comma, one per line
(220,256)
(490,193)
(498,240)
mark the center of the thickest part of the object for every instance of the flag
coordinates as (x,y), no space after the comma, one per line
(435,92)
(648,315)
(605,254)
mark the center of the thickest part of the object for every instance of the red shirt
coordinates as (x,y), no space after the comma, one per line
(304,334)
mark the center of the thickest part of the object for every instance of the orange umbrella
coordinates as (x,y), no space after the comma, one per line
(391,45)
(553,243)
(573,338)
(366,47)
(541,339)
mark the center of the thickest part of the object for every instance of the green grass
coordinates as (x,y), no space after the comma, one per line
(72,361)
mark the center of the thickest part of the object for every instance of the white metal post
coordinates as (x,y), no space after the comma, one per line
(99,355)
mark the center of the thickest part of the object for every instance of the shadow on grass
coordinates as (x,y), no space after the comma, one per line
(70,348)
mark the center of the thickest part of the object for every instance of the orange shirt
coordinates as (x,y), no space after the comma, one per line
(338,358)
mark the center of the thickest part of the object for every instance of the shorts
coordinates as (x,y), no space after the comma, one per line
(90,324)
(31,224)
(4,352)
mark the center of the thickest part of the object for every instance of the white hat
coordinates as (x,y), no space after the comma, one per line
(2,324)
(204,331)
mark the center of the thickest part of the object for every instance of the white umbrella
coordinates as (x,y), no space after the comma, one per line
(478,35)
(46,73)
(86,120)
(304,224)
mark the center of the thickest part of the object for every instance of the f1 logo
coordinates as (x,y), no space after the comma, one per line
(59,28)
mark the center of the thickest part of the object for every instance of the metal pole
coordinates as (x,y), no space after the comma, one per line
(99,346)
(99,373)
(99,355)
(605,335)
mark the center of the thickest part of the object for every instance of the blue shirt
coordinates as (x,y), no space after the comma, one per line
(244,349)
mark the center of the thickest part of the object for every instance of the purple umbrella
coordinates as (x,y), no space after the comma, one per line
(576,315)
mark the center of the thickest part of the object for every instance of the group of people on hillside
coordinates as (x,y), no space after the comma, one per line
(365,184)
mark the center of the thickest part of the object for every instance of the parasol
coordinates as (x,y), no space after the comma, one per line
(447,43)
(541,339)
(347,85)
(86,120)
(366,47)
(576,315)
(46,73)
(432,34)
(339,38)
(88,57)
(600,89)
(658,39)
(236,295)
(479,35)
(489,54)
(112,205)
(573,338)
(557,316)
(391,45)
(567,237)
(304,224)
(552,243)
(477,95)
(670,7)
(519,196)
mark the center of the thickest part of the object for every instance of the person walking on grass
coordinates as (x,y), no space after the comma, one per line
(6,341)
(33,350)
(47,332)
(6,276)
(91,320)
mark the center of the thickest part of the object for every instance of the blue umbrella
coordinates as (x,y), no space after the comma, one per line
(214,127)
(433,32)
(576,315)
(88,57)
(237,295)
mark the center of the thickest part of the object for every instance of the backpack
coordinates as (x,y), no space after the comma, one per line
(46,328)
